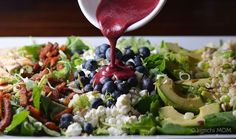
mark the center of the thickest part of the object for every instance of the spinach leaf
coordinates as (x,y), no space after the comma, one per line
(50,107)
(18,118)
(174,129)
(222,119)
(36,96)
(75,43)
(145,126)
(150,103)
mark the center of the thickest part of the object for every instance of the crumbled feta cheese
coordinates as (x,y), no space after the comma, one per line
(143,93)
(115,131)
(73,100)
(92,95)
(234,113)
(188,115)
(74,129)
(123,104)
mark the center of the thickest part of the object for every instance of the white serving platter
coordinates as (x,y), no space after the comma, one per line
(189,42)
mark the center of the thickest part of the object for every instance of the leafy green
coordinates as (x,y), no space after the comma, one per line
(36,96)
(135,43)
(155,62)
(31,51)
(150,103)
(63,73)
(75,43)
(81,102)
(101,131)
(50,107)
(145,126)
(174,129)
(18,118)
(222,119)
(75,61)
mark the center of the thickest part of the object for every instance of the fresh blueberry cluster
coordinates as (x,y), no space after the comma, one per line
(114,87)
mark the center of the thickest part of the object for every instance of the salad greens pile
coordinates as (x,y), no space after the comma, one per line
(48,90)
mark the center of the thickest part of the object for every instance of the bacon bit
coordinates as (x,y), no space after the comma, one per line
(37,114)
(61,86)
(53,61)
(23,97)
(68,98)
(57,117)
(60,66)
(36,67)
(54,95)
(41,74)
(5,122)
(51,125)
(1,105)
(63,48)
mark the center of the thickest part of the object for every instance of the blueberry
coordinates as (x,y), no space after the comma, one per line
(118,81)
(119,54)
(130,64)
(137,60)
(129,52)
(115,94)
(144,52)
(123,87)
(84,80)
(65,120)
(104,80)
(110,103)
(103,48)
(97,102)
(91,65)
(140,69)
(108,87)
(88,88)
(88,128)
(91,75)
(98,87)
(78,73)
(79,52)
(147,84)
(132,81)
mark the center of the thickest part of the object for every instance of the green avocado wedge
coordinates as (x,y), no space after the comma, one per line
(169,115)
(172,97)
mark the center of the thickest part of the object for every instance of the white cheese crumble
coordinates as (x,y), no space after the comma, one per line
(123,104)
(74,129)
(188,115)
(143,93)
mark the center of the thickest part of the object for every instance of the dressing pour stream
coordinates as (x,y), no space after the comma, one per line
(114,17)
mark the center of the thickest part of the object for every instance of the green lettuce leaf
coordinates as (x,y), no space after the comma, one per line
(36,96)
(18,118)
(174,129)
(31,51)
(75,43)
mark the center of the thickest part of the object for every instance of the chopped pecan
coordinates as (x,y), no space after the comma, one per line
(52,126)
(23,97)
(57,117)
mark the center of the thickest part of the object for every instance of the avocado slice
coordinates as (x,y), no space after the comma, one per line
(172,97)
(194,82)
(170,115)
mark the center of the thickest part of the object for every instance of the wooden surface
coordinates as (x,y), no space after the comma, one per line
(63,18)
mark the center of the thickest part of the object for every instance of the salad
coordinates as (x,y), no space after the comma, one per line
(49,90)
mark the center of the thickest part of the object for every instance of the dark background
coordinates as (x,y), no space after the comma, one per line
(63,18)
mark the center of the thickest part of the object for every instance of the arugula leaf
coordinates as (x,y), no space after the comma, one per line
(36,96)
(145,126)
(75,43)
(150,103)
(174,129)
(18,118)
(31,51)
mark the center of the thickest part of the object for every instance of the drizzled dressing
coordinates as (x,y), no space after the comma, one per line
(114,17)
